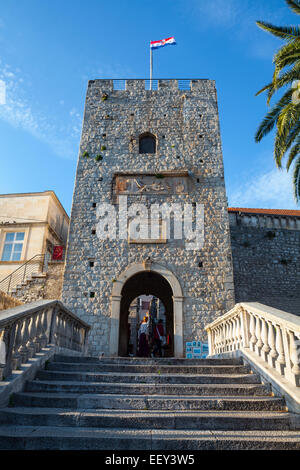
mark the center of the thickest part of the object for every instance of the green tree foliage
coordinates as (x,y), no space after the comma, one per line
(285,113)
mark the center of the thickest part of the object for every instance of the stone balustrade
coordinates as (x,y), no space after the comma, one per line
(26,329)
(270,334)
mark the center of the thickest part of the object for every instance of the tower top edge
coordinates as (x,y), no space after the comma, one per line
(139,84)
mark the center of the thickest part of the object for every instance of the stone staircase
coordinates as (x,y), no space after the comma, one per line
(85,403)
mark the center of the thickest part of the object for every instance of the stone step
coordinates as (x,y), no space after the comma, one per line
(147,361)
(158,369)
(149,389)
(145,402)
(147,378)
(71,438)
(140,419)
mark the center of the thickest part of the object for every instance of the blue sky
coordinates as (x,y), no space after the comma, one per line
(50,49)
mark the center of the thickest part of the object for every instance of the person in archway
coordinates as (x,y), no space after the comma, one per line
(158,333)
(144,338)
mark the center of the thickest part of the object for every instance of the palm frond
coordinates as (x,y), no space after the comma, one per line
(279,149)
(293,154)
(296,180)
(284,79)
(287,55)
(271,117)
(294,5)
(286,61)
(264,89)
(284,32)
(288,117)
(288,128)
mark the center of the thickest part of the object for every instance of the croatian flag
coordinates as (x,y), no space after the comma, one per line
(162,43)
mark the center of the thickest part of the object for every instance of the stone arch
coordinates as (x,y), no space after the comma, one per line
(177,297)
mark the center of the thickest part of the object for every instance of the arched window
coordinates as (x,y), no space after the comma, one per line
(147,143)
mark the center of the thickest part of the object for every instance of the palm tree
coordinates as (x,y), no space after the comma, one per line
(286,112)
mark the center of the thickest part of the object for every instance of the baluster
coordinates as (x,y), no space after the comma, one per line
(222,330)
(264,335)
(294,356)
(81,332)
(70,325)
(225,342)
(2,353)
(271,340)
(259,343)
(16,355)
(225,337)
(8,335)
(221,338)
(233,332)
(54,338)
(25,354)
(78,339)
(44,338)
(280,362)
(217,340)
(57,330)
(252,328)
(39,331)
(244,328)
(32,336)
(65,331)
(29,347)
(62,331)
(238,337)
(228,336)
(36,343)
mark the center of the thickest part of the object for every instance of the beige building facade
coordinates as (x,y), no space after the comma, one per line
(30,224)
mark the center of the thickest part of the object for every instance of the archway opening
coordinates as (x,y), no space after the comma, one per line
(154,309)
(156,293)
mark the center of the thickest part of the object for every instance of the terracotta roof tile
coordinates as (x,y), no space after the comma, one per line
(293,213)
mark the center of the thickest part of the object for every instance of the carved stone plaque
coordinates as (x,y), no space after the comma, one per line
(151,184)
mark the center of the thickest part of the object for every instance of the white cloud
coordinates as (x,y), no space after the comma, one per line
(19,113)
(269,190)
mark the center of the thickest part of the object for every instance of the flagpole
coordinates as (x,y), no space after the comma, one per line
(151,66)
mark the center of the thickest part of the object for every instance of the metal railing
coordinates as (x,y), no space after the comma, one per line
(27,329)
(183,83)
(34,265)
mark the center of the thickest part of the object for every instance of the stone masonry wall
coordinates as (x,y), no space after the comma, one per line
(186,125)
(44,286)
(266,262)
(6,301)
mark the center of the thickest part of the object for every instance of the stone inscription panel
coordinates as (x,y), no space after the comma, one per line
(151,184)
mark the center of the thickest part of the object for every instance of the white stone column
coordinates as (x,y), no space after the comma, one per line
(178,326)
(114,324)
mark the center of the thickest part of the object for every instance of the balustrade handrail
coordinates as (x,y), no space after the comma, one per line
(293,321)
(270,334)
(26,329)
(32,266)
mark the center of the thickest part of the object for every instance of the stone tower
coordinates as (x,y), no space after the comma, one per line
(142,149)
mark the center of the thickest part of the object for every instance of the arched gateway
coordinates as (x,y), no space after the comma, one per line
(153,279)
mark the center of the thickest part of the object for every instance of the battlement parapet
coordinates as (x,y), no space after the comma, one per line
(142,84)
